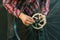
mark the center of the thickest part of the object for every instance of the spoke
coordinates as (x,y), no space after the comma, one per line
(52,35)
(53,27)
(41,20)
(35,17)
(39,24)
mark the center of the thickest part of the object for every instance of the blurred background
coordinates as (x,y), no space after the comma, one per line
(3,22)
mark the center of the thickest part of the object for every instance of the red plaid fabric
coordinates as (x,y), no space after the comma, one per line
(10,5)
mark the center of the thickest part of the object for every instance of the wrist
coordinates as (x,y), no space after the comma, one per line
(21,14)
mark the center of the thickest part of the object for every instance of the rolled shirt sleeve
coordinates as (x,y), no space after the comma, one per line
(10,5)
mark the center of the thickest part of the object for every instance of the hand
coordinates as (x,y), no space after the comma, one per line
(27,20)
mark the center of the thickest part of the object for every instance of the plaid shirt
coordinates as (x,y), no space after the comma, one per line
(16,7)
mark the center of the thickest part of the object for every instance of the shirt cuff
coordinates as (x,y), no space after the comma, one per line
(17,12)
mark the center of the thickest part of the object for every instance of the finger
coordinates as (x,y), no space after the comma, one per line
(28,22)
(30,19)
